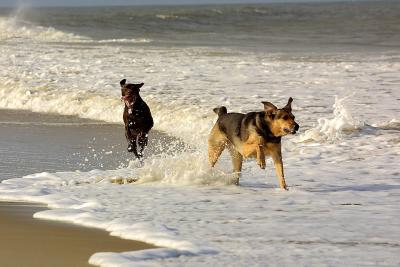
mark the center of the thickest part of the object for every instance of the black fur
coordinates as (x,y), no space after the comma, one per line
(220,110)
(137,118)
(237,125)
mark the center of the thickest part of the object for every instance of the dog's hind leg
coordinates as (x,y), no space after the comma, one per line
(237,160)
(216,144)
(215,149)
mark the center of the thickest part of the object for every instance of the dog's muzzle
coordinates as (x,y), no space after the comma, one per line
(128,100)
(293,130)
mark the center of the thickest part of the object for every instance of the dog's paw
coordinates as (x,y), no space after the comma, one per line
(262,164)
(284,186)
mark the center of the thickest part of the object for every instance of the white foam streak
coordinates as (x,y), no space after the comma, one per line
(123,40)
(136,258)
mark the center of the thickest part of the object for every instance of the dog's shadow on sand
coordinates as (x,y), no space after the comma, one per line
(257,185)
(359,188)
(327,189)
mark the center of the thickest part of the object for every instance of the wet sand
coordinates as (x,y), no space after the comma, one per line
(39,243)
(34,142)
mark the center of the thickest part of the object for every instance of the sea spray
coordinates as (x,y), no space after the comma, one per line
(331,129)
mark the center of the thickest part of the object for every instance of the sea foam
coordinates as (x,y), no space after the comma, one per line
(331,129)
(11,29)
(342,169)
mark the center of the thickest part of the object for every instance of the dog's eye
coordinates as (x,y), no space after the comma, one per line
(286,117)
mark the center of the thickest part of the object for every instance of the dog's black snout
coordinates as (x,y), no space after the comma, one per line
(296,127)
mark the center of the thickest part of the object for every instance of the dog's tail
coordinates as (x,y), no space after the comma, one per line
(220,110)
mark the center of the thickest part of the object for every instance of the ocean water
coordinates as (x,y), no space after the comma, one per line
(341,64)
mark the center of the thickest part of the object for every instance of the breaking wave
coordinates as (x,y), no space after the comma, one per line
(13,29)
(174,118)
(331,129)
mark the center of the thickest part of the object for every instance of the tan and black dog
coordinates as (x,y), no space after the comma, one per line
(137,117)
(255,134)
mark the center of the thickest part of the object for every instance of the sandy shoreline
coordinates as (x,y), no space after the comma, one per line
(38,243)
(34,142)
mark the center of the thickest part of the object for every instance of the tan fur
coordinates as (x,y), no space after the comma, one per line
(254,147)
(276,126)
(216,144)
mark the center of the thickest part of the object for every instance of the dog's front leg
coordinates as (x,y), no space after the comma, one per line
(276,155)
(260,156)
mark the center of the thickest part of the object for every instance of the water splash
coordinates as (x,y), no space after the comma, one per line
(331,129)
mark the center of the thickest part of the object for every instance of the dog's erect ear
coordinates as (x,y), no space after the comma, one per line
(122,82)
(269,108)
(288,106)
(137,86)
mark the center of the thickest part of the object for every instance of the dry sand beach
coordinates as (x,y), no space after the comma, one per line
(35,142)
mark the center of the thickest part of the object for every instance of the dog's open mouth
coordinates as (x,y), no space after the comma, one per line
(289,131)
(128,100)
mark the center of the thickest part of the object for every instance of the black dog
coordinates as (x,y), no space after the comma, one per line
(137,117)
